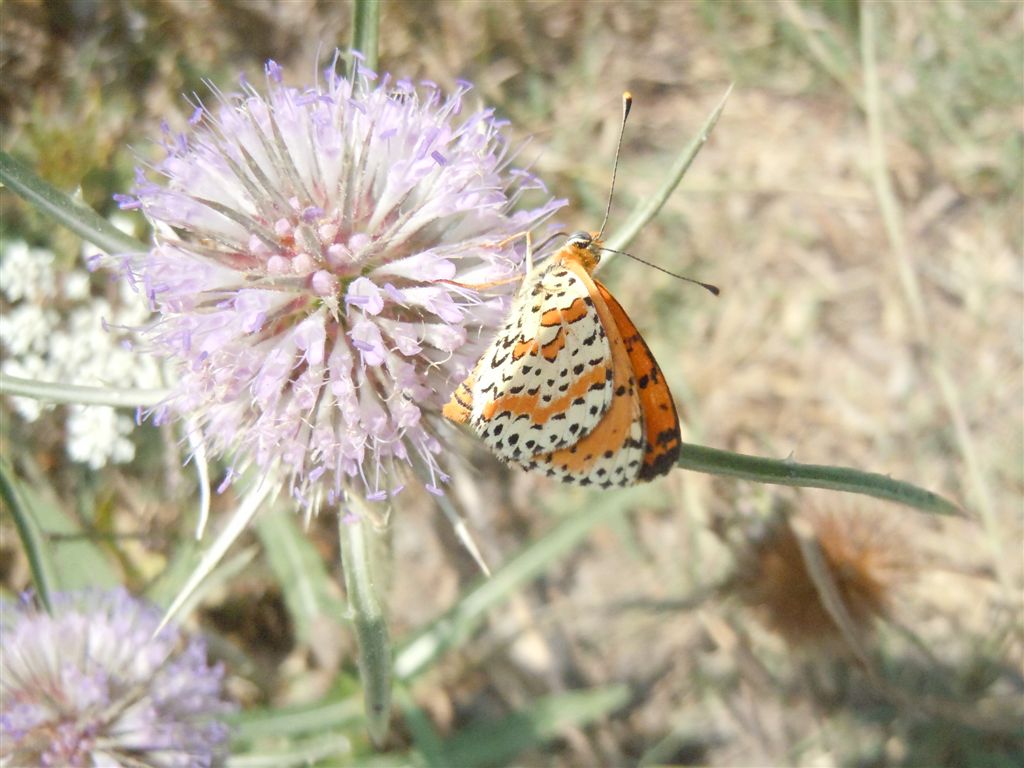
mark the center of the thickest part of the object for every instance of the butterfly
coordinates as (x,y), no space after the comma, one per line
(569,387)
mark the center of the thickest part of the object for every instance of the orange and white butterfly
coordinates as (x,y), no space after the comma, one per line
(569,387)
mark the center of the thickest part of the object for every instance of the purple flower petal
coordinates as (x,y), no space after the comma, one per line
(88,683)
(318,294)
(364,294)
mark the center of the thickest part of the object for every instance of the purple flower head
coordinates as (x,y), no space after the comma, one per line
(88,684)
(314,269)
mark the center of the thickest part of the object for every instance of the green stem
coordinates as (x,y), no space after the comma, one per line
(360,565)
(115,397)
(785,472)
(358,550)
(365,26)
(76,216)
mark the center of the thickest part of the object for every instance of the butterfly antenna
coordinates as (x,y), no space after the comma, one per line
(706,286)
(627,103)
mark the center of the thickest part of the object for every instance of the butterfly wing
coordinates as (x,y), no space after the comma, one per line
(569,387)
(611,454)
(662,441)
(460,407)
(546,379)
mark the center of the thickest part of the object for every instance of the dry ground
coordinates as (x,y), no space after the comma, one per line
(842,337)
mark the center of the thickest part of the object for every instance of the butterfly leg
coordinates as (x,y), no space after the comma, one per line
(494,283)
(480,286)
(517,236)
(511,239)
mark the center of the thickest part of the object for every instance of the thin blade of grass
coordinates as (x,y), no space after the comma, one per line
(457,624)
(304,753)
(188,555)
(714,461)
(828,593)
(288,722)
(37,549)
(638,220)
(58,538)
(197,451)
(208,560)
(76,216)
(498,742)
(892,217)
(823,48)
(184,556)
(300,571)
(425,737)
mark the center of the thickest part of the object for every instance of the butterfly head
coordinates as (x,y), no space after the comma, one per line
(585,248)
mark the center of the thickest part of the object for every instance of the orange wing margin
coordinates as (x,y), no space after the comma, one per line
(661,422)
(459,408)
(612,432)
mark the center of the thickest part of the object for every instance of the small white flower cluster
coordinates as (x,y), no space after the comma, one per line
(53,329)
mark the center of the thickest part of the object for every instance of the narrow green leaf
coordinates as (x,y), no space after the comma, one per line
(425,737)
(496,743)
(216,578)
(299,570)
(184,557)
(689,736)
(822,45)
(64,557)
(907,267)
(237,522)
(321,717)
(457,624)
(37,549)
(300,754)
(713,461)
(638,220)
(76,216)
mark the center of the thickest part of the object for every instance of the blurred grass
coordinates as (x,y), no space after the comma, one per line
(62,554)
(809,352)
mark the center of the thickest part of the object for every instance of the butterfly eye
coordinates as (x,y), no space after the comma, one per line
(580,239)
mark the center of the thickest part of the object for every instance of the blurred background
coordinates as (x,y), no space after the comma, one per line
(868,243)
